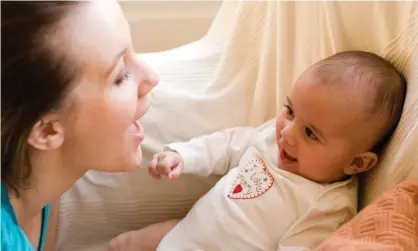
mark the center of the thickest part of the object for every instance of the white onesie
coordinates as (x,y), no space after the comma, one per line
(256,206)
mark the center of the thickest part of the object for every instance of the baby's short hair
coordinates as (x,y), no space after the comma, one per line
(370,72)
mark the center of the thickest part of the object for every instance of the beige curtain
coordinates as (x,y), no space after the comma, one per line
(239,74)
(268,44)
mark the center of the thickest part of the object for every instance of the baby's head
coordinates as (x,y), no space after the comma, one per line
(340,113)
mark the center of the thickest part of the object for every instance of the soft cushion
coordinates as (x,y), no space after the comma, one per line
(389,224)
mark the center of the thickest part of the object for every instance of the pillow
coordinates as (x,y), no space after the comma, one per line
(400,159)
(389,224)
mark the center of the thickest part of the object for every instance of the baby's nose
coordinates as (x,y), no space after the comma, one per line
(288,135)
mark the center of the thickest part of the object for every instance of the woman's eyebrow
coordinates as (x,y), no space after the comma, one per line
(115,61)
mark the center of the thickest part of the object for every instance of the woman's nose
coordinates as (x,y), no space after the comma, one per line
(148,79)
(288,134)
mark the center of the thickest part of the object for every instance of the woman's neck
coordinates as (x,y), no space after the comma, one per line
(49,179)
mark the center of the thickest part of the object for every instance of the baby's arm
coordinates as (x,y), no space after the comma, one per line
(214,153)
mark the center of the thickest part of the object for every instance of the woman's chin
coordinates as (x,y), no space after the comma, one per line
(138,157)
(130,164)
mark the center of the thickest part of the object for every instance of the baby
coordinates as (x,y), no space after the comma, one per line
(291,182)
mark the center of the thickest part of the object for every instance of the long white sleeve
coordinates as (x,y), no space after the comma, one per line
(215,153)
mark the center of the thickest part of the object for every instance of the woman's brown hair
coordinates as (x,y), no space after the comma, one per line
(34,79)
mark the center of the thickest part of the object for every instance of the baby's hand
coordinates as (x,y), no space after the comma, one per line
(166,163)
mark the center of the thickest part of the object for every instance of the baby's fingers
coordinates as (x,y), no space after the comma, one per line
(167,164)
(163,168)
(152,169)
(175,173)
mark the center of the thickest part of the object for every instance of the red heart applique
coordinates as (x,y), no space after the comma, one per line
(252,180)
(237,189)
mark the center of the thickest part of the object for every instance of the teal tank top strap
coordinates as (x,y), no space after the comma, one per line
(45,217)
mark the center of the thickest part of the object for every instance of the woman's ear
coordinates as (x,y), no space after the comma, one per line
(47,134)
(361,163)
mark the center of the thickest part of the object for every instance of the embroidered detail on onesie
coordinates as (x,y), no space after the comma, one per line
(252,181)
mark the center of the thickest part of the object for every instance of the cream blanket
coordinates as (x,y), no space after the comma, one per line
(239,74)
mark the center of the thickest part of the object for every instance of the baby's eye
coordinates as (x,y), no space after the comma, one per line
(289,110)
(310,134)
(122,78)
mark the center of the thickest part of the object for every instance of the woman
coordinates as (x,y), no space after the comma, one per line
(72,91)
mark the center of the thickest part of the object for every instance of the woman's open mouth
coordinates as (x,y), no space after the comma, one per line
(137,131)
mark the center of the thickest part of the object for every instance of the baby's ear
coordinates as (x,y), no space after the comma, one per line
(361,163)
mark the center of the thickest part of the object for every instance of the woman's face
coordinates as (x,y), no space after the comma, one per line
(100,128)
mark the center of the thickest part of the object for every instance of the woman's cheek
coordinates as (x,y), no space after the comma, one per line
(143,105)
(129,102)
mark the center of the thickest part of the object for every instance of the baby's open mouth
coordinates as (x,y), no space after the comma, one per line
(287,157)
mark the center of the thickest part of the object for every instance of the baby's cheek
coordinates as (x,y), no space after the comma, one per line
(312,159)
(332,163)
(279,127)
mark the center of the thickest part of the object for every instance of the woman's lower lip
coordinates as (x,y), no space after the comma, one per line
(139,134)
(138,139)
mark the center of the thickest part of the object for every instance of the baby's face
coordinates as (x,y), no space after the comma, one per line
(318,130)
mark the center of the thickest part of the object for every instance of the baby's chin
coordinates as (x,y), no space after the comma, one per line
(290,168)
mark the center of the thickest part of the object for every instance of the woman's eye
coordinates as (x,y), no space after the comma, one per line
(122,78)
(289,110)
(310,134)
